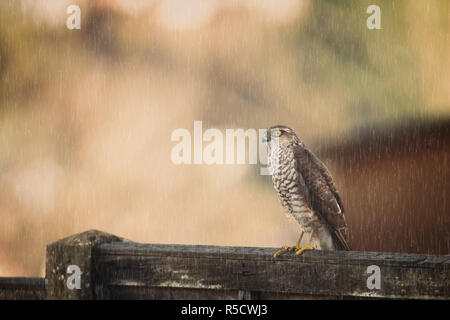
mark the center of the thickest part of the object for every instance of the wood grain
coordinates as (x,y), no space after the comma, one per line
(134,267)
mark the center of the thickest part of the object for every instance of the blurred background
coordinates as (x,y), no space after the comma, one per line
(86,117)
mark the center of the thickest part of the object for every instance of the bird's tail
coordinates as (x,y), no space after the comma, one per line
(340,241)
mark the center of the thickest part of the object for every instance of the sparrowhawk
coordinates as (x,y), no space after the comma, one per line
(306,191)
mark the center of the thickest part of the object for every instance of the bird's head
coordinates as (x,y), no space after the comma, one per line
(280,134)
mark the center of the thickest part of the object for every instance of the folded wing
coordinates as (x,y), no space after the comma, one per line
(324,197)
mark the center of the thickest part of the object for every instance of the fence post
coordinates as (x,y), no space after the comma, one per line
(69,270)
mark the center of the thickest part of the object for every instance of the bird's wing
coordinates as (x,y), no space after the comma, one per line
(325,199)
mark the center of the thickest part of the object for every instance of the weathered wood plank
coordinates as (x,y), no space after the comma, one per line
(134,267)
(171,293)
(68,269)
(22,288)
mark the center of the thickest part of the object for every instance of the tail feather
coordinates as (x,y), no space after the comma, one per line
(340,241)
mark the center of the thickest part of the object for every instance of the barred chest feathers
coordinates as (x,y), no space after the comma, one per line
(293,193)
(286,180)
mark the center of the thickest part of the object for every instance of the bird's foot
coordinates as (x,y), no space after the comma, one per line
(286,249)
(307,246)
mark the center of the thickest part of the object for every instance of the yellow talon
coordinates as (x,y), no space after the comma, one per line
(307,246)
(286,248)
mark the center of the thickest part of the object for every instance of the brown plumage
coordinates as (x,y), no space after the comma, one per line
(306,190)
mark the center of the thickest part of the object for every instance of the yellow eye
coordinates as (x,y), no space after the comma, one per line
(276,133)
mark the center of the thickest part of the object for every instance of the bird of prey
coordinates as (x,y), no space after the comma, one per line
(306,191)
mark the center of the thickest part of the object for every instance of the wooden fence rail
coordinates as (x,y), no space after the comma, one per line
(22,288)
(96,265)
